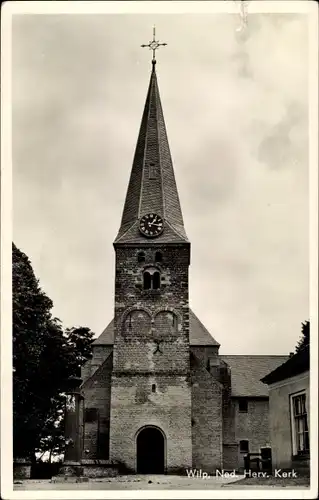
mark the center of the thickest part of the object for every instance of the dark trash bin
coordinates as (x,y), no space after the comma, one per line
(266,463)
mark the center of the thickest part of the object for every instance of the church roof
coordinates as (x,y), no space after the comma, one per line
(199,335)
(152,185)
(247,370)
(107,336)
(295,365)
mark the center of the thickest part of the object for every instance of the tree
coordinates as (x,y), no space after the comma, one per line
(43,358)
(305,338)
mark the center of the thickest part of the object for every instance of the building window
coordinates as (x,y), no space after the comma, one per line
(156,280)
(300,430)
(243,405)
(153,387)
(152,171)
(158,257)
(244,446)
(141,257)
(103,445)
(174,321)
(151,281)
(147,281)
(90,415)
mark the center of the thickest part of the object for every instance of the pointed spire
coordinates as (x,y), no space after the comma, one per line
(152,186)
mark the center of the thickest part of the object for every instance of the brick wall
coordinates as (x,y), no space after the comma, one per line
(204,353)
(97,396)
(134,406)
(252,426)
(230,445)
(206,418)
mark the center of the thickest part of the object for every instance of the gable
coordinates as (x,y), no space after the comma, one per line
(199,335)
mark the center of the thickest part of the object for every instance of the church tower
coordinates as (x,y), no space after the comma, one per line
(150,418)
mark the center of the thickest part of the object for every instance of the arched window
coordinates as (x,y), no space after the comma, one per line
(158,257)
(165,323)
(141,257)
(151,279)
(244,446)
(136,323)
(156,280)
(147,281)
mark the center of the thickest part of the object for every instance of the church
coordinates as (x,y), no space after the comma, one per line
(157,397)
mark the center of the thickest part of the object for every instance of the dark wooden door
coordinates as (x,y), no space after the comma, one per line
(150,451)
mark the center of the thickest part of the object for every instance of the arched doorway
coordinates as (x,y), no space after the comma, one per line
(150,451)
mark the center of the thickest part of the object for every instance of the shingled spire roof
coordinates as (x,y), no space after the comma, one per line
(152,186)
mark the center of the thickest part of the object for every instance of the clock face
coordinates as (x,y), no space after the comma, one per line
(151,225)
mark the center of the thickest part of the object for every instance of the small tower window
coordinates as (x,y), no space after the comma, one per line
(152,171)
(156,280)
(147,281)
(244,446)
(153,387)
(243,405)
(141,257)
(158,257)
(90,414)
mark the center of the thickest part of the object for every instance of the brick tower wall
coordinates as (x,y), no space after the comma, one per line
(151,368)
(207,418)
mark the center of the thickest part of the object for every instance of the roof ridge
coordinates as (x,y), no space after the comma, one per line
(173,228)
(118,238)
(256,355)
(151,89)
(102,365)
(160,162)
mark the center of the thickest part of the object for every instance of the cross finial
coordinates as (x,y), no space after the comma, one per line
(154,45)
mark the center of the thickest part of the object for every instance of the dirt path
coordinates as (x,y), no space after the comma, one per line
(136,482)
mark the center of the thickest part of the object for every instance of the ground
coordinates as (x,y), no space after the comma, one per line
(270,481)
(141,482)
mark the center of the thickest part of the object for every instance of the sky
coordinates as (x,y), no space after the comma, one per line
(236,110)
